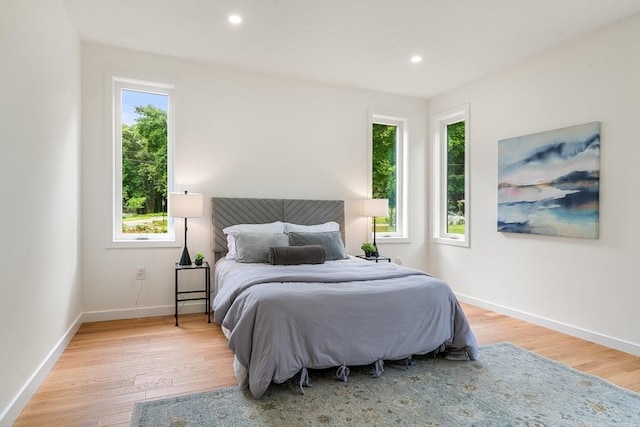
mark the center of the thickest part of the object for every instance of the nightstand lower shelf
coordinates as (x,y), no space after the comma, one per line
(206,291)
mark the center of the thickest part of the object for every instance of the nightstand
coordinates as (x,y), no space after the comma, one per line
(206,291)
(374,258)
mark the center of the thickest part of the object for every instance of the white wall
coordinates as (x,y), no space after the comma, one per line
(590,288)
(40,192)
(238,134)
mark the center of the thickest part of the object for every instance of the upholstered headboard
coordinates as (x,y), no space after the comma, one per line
(226,211)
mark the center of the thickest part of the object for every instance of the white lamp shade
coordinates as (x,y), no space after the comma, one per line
(375,207)
(185,205)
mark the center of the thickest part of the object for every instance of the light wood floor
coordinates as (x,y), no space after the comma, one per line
(108,366)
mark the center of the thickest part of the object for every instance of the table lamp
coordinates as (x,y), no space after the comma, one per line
(374,208)
(185,205)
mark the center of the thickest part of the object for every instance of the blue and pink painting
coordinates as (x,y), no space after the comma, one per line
(549,182)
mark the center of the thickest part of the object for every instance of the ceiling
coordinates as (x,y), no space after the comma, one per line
(357,43)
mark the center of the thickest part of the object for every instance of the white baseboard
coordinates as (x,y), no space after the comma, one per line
(133,313)
(618,344)
(15,407)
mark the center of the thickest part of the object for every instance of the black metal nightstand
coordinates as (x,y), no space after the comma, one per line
(374,258)
(206,290)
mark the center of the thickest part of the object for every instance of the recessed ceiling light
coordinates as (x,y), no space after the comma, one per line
(235,19)
(416,59)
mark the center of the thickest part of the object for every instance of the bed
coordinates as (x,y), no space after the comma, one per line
(282,320)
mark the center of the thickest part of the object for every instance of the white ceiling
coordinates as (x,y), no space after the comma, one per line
(358,43)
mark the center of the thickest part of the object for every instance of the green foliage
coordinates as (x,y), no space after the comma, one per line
(138,217)
(368,248)
(455,167)
(157,226)
(144,161)
(384,173)
(456,229)
(133,204)
(199,255)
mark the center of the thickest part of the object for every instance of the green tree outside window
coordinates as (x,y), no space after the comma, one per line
(384,172)
(144,172)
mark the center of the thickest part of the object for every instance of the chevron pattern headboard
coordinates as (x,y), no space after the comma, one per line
(226,211)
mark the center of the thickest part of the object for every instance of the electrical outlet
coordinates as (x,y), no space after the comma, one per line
(397,260)
(140,273)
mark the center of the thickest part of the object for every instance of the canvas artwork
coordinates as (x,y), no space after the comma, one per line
(549,182)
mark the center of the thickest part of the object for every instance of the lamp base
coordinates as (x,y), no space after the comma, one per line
(375,245)
(375,253)
(185,259)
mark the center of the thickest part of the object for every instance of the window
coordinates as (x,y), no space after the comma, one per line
(451,177)
(388,139)
(143,161)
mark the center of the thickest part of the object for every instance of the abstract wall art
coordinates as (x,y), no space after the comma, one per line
(549,182)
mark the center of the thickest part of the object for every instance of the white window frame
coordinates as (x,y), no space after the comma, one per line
(115,87)
(439,124)
(401,235)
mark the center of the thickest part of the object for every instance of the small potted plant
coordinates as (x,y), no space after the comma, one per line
(368,249)
(199,258)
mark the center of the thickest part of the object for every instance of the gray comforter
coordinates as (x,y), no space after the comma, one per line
(285,318)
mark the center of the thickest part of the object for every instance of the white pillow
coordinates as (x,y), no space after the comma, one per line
(270,228)
(318,228)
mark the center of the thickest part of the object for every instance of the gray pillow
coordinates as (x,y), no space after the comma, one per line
(293,255)
(331,240)
(254,247)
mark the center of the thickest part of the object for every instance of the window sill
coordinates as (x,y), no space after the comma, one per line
(124,244)
(385,240)
(462,242)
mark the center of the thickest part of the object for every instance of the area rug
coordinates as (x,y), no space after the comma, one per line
(506,386)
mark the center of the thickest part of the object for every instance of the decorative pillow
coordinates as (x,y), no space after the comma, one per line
(231,231)
(292,255)
(331,240)
(318,228)
(254,247)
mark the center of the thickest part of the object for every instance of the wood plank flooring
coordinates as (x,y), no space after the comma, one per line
(109,366)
